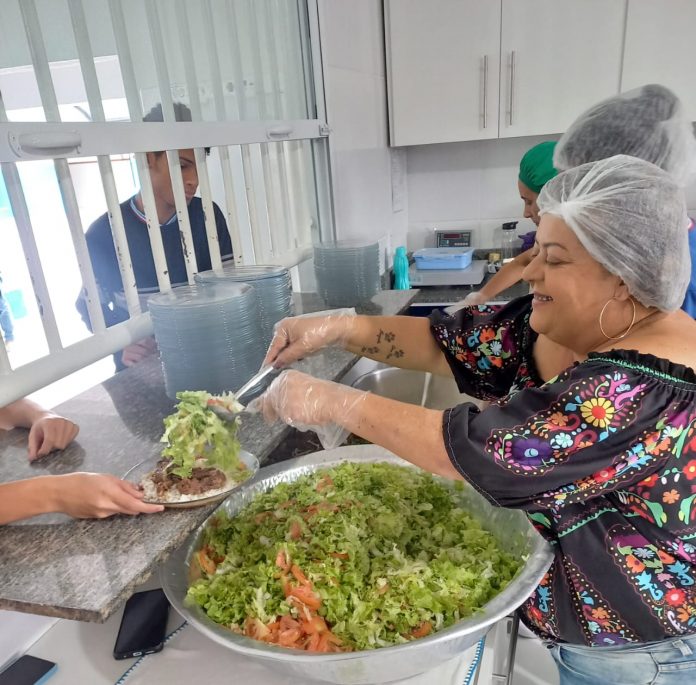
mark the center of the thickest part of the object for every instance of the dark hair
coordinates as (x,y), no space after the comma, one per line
(181,113)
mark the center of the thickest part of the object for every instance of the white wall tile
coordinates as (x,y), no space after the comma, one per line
(362,186)
(444,182)
(473,184)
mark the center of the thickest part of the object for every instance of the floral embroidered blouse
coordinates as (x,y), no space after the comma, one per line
(603,461)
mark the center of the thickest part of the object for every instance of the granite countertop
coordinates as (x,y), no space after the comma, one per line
(57,566)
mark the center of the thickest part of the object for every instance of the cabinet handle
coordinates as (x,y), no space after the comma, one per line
(512,85)
(485,91)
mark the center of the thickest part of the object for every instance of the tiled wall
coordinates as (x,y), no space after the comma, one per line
(465,185)
(470,185)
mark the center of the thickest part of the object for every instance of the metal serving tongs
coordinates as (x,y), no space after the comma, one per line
(261,375)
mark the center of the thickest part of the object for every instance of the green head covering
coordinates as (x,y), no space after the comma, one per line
(536,167)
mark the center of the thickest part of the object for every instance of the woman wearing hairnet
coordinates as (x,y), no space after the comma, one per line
(602,458)
(649,123)
(536,168)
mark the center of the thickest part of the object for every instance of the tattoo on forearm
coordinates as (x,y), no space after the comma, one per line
(387,337)
(397,354)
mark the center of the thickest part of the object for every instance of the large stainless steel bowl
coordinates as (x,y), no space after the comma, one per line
(386,664)
(406,385)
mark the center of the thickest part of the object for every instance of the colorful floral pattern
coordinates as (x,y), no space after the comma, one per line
(554,435)
(487,344)
(539,610)
(667,585)
(602,625)
(603,461)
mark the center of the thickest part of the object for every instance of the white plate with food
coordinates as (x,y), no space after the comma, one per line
(206,485)
(202,461)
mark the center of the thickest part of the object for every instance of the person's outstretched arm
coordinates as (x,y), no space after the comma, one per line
(81,495)
(47,431)
(403,341)
(509,275)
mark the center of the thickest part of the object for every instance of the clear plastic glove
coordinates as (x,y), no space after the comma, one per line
(301,336)
(307,403)
(99,495)
(50,432)
(470,300)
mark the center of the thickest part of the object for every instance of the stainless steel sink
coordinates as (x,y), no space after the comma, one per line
(414,387)
(384,380)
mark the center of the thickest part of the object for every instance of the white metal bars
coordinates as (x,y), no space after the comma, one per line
(96,108)
(180,199)
(241,161)
(197,115)
(147,196)
(246,192)
(67,191)
(20,212)
(237,211)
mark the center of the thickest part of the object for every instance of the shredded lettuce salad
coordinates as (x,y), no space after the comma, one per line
(381,553)
(194,431)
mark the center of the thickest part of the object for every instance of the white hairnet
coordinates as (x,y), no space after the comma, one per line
(631,217)
(647,122)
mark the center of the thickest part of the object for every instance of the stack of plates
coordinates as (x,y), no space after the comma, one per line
(208,336)
(273,288)
(347,272)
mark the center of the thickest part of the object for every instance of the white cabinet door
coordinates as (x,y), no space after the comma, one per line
(443,70)
(660,47)
(558,58)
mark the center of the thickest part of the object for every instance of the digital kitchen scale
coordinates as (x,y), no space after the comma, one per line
(472,275)
(452,238)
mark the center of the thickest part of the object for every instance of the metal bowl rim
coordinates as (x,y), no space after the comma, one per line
(541,555)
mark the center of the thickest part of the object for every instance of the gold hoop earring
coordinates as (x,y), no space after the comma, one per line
(630,326)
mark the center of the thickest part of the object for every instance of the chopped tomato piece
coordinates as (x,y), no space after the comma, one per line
(312,643)
(324,483)
(316,624)
(287,622)
(324,645)
(282,560)
(288,638)
(212,554)
(333,639)
(422,630)
(305,595)
(285,584)
(205,562)
(255,628)
(297,572)
(295,530)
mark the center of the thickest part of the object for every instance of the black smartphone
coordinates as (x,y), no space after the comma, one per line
(143,625)
(28,670)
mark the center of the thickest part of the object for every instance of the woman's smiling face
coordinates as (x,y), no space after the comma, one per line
(570,288)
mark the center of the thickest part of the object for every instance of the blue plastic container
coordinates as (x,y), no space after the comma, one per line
(444,257)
